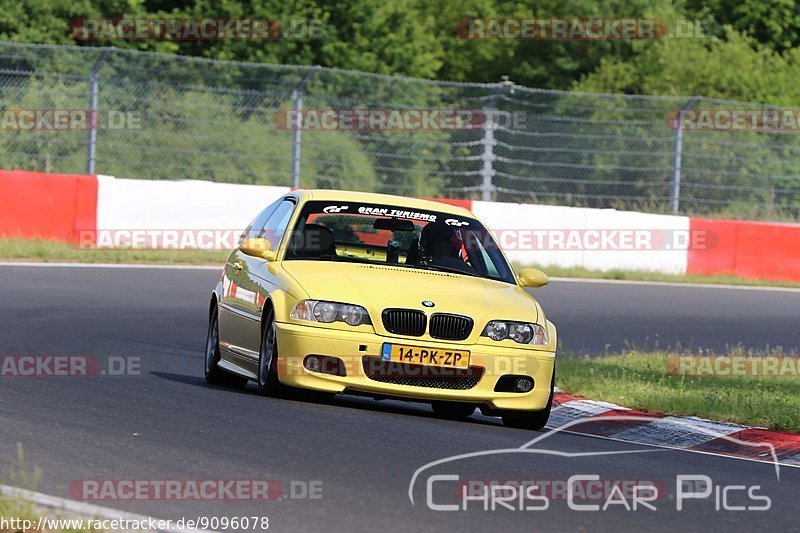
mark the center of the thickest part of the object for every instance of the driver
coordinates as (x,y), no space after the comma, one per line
(441,246)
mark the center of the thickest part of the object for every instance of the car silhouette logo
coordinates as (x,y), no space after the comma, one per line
(428,303)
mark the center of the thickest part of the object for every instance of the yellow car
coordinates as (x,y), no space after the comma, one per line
(344,292)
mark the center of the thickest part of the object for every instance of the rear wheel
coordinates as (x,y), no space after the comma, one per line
(533,420)
(214,374)
(268,383)
(453,410)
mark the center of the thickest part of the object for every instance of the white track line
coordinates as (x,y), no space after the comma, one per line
(85,510)
(110,265)
(677,284)
(687,450)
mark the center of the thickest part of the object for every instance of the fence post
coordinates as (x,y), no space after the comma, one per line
(91,148)
(487,156)
(297,97)
(488,142)
(675,203)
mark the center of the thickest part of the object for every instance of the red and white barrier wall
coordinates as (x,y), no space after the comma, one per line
(747,249)
(176,205)
(598,241)
(64,207)
(47,206)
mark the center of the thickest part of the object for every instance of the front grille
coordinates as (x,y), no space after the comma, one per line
(430,377)
(404,322)
(450,327)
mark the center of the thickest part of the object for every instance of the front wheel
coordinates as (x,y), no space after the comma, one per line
(214,374)
(268,383)
(532,420)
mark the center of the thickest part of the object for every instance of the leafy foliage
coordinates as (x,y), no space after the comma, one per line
(749,54)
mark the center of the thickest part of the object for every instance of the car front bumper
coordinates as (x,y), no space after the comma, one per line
(296,341)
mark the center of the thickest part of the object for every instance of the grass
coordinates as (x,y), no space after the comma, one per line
(640,380)
(20,477)
(49,251)
(643,275)
(12,508)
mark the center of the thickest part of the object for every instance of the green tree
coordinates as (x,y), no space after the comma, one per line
(732,67)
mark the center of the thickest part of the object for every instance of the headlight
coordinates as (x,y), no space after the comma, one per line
(353,315)
(327,312)
(496,330)
(519,332)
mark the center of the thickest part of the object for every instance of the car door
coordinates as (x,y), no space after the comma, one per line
(253,282)
(234,318)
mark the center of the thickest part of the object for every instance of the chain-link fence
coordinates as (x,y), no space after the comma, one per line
(162,116)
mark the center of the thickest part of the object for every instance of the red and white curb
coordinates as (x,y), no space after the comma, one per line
(63,507)
(689,433)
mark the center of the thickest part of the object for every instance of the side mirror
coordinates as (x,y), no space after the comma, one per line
(257,247)
(530,277)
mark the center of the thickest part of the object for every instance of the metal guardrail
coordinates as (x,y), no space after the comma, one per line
(194,118)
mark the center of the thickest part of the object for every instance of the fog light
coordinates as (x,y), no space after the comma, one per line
(523,385)
(325,364)
(516,383)
(312,363)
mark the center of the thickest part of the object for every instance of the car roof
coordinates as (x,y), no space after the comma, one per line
(385,199)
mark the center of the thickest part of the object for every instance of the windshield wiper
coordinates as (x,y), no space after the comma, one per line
(440,268)
(342,258)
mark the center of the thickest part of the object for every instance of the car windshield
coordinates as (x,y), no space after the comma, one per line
(397,236)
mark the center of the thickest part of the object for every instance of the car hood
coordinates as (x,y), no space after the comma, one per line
(377,287)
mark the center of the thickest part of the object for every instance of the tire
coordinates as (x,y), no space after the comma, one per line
(214,374)
(268,383)
(453,410)
(531,420)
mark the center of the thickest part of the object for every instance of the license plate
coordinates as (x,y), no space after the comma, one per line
(418,355)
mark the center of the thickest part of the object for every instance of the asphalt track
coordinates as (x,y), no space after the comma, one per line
(167,424)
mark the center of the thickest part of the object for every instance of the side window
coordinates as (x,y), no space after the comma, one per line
(255,227)
(276,225)
(491,269)
(485,256)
